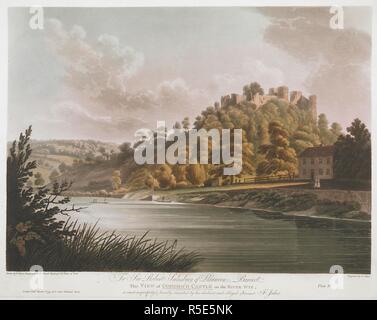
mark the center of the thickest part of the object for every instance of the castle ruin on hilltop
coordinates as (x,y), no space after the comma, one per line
(282,92)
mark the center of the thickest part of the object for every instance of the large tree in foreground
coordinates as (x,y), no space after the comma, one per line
(280,158)
(31,214)
(352,153)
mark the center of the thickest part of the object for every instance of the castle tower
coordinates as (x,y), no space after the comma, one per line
(283,92)
(272,92)
(313,106)
(236,98)
(295,96)
(225,100)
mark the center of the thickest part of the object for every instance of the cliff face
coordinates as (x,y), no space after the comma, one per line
(282,92)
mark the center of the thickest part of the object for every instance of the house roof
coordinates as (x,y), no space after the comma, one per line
(321,151)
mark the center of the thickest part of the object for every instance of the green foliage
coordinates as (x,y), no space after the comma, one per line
(63,167)
(31,216)
(279,156)
(53,175)
(303,138)
(328,136)
(336,208)
(39,181)
(116,179)
(164,176)
(352,153)
(177,125)
(89,249)
(336,130)
(253,88)
(196,174)
(284,202)
(126,152)
(300,201)
(301,131)
(186,123)
(247,156)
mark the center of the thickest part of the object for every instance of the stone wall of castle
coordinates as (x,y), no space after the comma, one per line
(282,92)
(313,106)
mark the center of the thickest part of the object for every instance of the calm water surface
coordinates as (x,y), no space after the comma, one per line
(239,240)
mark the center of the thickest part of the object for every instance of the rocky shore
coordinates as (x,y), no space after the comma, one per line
(277,202)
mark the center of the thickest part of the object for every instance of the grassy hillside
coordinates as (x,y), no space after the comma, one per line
(51,154)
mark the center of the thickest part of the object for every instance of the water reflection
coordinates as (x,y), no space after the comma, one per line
(238,240)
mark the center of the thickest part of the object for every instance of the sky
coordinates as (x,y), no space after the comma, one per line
(103,73)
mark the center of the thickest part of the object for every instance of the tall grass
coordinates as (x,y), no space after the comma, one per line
(90,249)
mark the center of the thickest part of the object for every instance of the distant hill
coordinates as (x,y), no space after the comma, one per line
(79,149)
(51,154)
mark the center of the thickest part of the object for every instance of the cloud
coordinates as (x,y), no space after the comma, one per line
(82,124)
(98,71)
(338,59)
(267,70)
(176,95)
(97,75)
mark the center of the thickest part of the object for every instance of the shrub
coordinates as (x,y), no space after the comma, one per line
(282,201)
(336,208)
(36,235)
(89,249)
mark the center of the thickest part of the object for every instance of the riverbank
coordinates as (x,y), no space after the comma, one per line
(238,239)
(283,202)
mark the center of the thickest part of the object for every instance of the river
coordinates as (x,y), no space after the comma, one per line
(239,240)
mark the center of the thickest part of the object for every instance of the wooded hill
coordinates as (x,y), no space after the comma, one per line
(274,134)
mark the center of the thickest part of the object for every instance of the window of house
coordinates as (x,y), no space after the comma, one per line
(328,160)
(304,161)
(304,172)
(312,161)
(320,172)
(320,160)
(328,172)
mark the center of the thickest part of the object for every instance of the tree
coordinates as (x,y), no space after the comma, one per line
(151,182)
(126,152)
(279,156)
(177,125)
(186,123)
(255,88)
(323,128)
(104,153)
(252,89)
(196,174)
(165,177)
(336,131)
(63,167)
(262,133)
(38,179)
(89,156)
(303,138)
(32,221)
(247,156)
(116,179)
(352,153)
(53,175)
(180,172)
